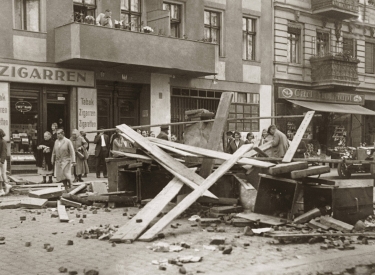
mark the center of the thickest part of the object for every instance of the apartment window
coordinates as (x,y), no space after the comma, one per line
(294,44)
(322,43)
(247,105)
(84,9)
(27,15)
(369,58)
(175,17)
(248,38)
(131,14)
(212,27)
(349,47)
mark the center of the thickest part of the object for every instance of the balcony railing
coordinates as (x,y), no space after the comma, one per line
(90,45)
(334,71)
(340,9)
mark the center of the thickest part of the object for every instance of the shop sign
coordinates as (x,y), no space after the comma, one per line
(4,109)
(23,106)
(46,75)
(87,112)
(315,95)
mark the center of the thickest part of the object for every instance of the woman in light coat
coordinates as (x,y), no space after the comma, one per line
(63,155)
(79,145)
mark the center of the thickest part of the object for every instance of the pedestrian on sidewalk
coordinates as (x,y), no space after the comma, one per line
(101,152)
(87,170)
(163,133)
(43,160)
(64,156)
(4,188)
(235,143)
(79,145)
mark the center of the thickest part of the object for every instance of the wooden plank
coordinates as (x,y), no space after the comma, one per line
(298,137)
(217,131)
(135,165)
(132,230)
(287,167)
(48,193)
(311,235)
(195,194)
(63,216)
(226,209)
(270,220)
(298,195)
(42,186)
(97,198)
(336,224)
(261,152)
(263,147)
(99,187)
(78,189)
(315,225)
(130,155)
(165,159)
(312,170)
(117,193)
(13,204)
(177,151)
(247,185)
(70,203)
(317,181)
(34,203)
(306,217)
(211,153)
(75,198)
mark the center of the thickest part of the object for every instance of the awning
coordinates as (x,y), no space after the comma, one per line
(333,107)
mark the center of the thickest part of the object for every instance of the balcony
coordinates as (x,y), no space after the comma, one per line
(339,9)
(334,71)
(94,46)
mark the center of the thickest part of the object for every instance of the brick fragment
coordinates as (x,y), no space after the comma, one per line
(247,231)
(210,229)
(182,270)
(63,269)
(217,240)
(81,221)
(23,218)
(92,272)
(2,239)
(138,220)
(46,245)
(50,249)
(73,272)
(27,244)
(228,250)
(124,214)
(33,219)
(70,242)
(84,216)
(162,267)
(78,215)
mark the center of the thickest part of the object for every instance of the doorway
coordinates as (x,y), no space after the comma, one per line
(56,112)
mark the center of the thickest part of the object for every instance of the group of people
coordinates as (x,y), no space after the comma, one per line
(280,143)
(56,155)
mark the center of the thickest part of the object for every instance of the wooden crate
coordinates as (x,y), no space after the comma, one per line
(349,202)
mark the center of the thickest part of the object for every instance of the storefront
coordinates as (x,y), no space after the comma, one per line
(339,125)
(31,99)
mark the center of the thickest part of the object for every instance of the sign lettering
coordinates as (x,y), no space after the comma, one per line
(87,112)
(315,95)
(46,75)
(4,109)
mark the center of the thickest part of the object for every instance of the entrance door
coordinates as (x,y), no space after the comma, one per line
(56,113)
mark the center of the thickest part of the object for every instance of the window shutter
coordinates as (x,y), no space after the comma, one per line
(369,58)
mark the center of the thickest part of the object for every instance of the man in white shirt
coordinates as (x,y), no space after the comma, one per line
(104,19)
(101,152)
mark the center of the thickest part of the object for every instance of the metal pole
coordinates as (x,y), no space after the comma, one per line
(192,122)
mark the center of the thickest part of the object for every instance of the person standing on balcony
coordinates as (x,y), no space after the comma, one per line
(104,19)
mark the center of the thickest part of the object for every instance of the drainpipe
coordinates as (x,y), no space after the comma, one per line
(273,61)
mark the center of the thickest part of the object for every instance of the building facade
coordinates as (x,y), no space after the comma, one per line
(58,65)
(324,61)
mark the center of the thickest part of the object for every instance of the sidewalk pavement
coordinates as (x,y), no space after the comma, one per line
(35,179)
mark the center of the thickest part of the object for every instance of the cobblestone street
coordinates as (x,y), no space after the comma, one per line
(260,257)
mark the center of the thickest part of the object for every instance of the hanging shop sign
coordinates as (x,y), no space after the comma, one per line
(23,106)
(315,95)
(46,75)
(87,111)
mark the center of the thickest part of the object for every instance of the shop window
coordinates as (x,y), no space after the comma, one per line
(369,58)
(212,27)
(248,38)
(294,44)
(241,110)
(349,47)
(84,11)
(27,15)
(175,18)
(131,14)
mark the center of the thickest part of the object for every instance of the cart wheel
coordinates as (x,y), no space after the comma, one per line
(343,171)
(372,170)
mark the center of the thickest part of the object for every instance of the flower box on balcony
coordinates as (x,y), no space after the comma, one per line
(334,71)
(339,9)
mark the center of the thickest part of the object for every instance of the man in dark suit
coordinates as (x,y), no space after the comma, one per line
(163,132)
(101,152)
